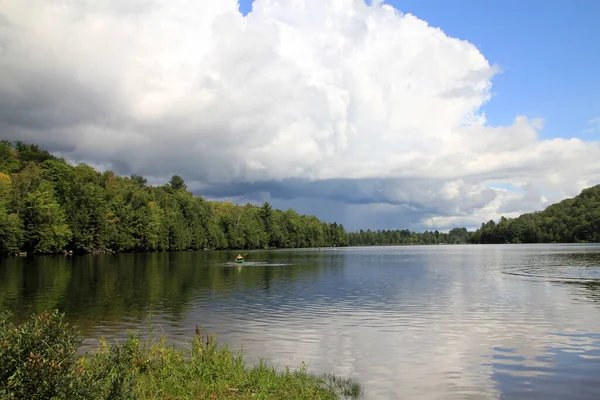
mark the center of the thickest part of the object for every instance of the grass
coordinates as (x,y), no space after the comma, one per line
(144,368)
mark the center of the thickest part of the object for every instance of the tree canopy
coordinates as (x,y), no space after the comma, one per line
(48,206)
(405,237)
(570,221)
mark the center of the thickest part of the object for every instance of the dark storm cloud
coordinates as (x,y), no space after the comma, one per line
(421,196)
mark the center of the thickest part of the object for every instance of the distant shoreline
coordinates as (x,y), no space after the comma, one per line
(290,248)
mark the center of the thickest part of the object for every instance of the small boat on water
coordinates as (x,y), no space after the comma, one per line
(239,259)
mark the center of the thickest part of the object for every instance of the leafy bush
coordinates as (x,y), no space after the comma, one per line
(38,361)
(38,357)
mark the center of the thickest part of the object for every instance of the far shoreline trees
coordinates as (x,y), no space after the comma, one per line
(49,206)
(575,220)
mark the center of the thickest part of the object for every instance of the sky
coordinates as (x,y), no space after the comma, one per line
(415,114)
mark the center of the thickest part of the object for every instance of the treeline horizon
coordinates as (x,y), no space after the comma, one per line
(49,206)
(574,220)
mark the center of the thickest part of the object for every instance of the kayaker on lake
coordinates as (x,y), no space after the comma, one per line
(239,257)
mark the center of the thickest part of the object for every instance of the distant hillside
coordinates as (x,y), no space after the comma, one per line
(570,221)
(49,206)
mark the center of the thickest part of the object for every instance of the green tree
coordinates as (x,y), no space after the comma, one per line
(23,183)
(31,153)
(140,180)
(11,232)
(177,182)
(61,174)
(45,222)
(47,205)
(266,215)
(8,158)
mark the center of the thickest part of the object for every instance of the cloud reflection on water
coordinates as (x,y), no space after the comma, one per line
(411,322)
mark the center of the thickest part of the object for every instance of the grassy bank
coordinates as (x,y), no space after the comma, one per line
(38,361)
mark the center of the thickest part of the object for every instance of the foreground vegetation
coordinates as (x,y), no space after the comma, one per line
(38,361)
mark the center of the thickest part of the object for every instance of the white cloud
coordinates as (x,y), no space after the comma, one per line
(595,126)
(297,89)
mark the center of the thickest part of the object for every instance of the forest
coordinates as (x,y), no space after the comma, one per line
(406,237)
(575,220)
(49,206)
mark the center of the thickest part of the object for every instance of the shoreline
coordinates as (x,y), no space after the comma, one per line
(41,359)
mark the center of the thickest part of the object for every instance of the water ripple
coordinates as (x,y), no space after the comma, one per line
(424,322)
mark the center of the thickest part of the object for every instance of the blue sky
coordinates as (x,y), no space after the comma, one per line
(548,52)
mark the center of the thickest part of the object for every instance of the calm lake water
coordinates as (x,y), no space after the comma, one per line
(423,322)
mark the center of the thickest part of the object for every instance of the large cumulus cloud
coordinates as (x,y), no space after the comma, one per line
(371,110)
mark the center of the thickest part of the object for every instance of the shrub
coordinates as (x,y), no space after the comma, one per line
(38,361)
(37,357)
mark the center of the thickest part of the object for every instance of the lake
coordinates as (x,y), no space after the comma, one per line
(418,322)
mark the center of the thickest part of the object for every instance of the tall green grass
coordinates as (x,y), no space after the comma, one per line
(38,361)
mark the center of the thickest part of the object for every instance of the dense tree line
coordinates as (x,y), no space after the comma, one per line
(570,221)
(404,237)
(575,220)
(49,206)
